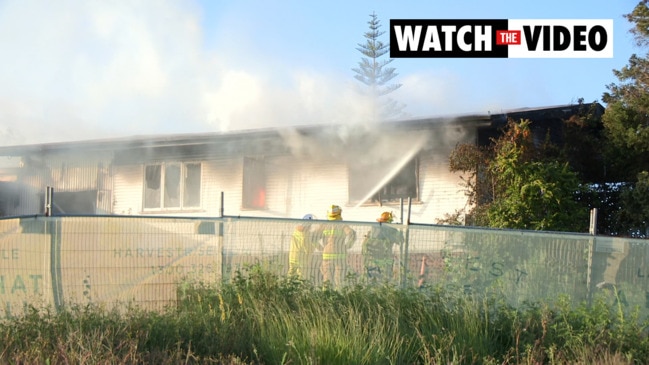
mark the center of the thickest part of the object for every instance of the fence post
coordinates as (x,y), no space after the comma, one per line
(221,209)
(593,222)
(49,200)
(404,257)
(221,239)
(53,229)
(592,231)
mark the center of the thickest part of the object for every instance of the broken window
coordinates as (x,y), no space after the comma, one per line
(172,186)
(385,183)
(254,183)
(164,187)
(74,202)
(152,176)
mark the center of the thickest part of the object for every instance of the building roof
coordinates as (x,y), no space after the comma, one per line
(263,139)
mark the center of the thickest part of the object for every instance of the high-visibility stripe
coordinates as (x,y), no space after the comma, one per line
(332,232)
(333,256)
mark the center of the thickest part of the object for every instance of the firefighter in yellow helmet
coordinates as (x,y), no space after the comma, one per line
(303,245)
(337,238)
(377,246)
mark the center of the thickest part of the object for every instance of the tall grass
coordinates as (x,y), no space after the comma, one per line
(261,318)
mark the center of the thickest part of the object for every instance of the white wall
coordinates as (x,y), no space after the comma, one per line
(217,176)
(296,187)
(127,191)
(299,186)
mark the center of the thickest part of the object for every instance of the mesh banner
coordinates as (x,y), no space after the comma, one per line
(144,261)
(25,272)
(519,266)
(134,260)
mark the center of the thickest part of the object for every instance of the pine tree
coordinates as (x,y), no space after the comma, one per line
(373,72)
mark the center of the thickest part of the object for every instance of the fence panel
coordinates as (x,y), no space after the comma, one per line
(517,265)
(115,260)
(25,270)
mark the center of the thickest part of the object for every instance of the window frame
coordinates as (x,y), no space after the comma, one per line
(181,196)
(410,168)
(256,185)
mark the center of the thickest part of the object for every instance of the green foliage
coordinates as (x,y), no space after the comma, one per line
(375,74)
(537,196)
(517,184)
(635,207)
(584,144)
(627,128)
(640,16)
(472,161)
(261,318)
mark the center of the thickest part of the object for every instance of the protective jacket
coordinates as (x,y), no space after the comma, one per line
(336,240)
(379,241)
(302,245)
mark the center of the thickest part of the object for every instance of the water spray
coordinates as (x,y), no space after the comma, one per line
(416,146)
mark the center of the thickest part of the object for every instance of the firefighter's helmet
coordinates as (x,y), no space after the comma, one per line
(335,213)
(386,217)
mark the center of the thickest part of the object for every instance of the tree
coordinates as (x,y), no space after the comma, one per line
(627,113)
(635,201)
(532,193)
(582,140)
(373,72)
(626,122)
(513,184)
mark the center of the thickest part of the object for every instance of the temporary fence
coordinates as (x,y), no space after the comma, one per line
(125,260)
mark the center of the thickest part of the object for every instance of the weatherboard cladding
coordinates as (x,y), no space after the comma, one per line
(329,186)
(68,171)
(440,190)
(129,181)
(278,182)
(223,175)
(210,189)
(324,184)
(295,186)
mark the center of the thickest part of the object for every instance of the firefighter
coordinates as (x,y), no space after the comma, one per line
(376,248)
(336,238)
(302,247)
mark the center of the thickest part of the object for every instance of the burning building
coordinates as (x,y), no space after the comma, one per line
(280,172)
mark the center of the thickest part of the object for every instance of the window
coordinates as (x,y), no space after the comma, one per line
(75,202)
(380,184)
(254,183)
(172,186)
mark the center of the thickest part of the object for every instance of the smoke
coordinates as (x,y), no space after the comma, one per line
(96,69)
(246,102)
(391,168)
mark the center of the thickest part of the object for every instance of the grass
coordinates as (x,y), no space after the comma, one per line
(261,318)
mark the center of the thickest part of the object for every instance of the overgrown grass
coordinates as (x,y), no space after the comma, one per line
(260,318)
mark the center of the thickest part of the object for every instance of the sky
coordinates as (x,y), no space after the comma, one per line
(95,69)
